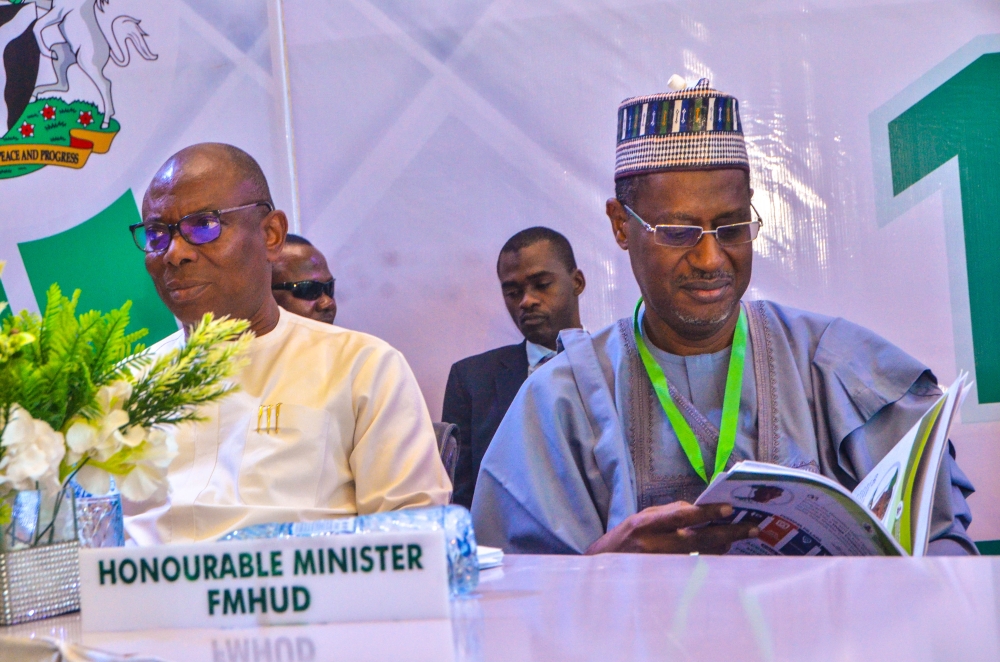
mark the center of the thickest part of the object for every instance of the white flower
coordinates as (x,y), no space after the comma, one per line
(148,476)
(114,396)
(32,452)
(81,438)
(138,457)
(103,438)
(93,479)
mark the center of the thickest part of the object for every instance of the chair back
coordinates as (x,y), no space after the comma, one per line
(447,441)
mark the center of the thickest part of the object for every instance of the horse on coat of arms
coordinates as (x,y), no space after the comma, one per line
(85,44)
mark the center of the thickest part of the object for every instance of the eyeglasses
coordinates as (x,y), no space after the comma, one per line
(198,228)
(686,236)
(308,290)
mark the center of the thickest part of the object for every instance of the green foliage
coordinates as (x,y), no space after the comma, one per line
(195,374)
(55,131)
(56,375)
(54,365)
(72,371)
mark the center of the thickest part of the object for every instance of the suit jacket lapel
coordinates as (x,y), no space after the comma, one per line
(512,373)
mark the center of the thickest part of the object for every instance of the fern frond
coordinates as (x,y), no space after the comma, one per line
(195,374)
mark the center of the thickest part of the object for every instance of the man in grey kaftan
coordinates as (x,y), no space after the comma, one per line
(586,444)
(587,459)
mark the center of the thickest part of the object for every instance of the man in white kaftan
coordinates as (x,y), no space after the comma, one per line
(326,422)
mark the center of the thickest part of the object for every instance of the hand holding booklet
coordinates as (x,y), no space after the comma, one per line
(800,513)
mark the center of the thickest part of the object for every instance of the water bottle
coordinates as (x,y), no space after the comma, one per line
(454,521)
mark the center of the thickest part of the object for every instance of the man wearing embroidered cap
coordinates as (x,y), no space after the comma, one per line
(605,449)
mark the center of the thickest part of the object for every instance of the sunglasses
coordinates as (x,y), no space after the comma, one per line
(308,290)
(198,228)
(686,236)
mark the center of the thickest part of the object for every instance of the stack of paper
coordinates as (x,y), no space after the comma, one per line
(489,557)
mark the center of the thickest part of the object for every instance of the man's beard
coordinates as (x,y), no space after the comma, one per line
(717,320)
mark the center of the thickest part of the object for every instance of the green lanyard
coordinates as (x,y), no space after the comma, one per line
(730,405)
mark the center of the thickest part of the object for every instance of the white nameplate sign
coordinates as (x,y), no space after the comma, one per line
(360,577)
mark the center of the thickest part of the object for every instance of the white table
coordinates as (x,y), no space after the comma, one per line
(632,607)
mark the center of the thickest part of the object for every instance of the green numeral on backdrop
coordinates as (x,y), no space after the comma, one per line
(962,118)
(99,258)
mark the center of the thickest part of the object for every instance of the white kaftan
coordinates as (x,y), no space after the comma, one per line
(352,436)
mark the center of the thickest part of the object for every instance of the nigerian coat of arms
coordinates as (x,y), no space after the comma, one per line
(40,38)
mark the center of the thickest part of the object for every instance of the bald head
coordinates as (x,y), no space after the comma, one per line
(220,259)
(239,169)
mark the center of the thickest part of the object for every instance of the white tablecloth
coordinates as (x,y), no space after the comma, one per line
(632,607)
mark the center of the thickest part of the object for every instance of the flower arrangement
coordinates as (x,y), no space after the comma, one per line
(80,399)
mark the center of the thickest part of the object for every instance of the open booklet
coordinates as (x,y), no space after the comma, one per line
(800,513)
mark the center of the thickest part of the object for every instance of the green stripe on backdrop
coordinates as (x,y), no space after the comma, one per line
(989,547)
(99,258)
(3,297)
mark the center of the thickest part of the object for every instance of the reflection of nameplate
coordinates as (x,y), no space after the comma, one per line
(361,577)
(414,641)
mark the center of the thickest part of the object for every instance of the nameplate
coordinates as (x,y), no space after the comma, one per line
(343,578)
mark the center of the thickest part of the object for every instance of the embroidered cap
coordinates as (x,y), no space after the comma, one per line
(697,128)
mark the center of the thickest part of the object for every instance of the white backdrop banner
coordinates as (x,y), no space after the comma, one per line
(97,95)
(430,131)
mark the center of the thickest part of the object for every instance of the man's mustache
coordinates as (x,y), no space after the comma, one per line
(697,275)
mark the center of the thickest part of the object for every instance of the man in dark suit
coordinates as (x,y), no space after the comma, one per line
(541,285)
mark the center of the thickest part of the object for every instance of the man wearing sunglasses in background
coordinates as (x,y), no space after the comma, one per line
(326,422)
(605,450)
(301,281)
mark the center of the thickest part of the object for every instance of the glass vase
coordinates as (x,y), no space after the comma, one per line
(99,518)
(39,518)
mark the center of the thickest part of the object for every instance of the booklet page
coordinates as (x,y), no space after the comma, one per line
(921,497)
(881,491)
(798,514)
(900,488)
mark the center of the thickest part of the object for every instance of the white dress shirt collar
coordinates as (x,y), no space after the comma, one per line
(537,354)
